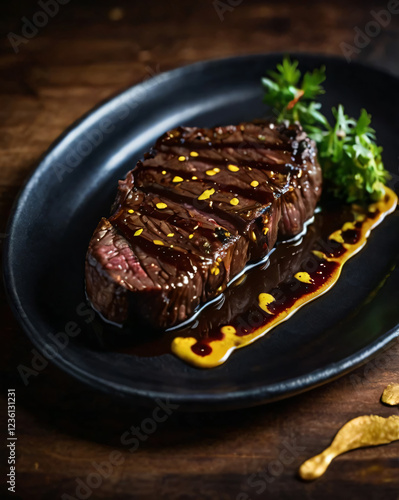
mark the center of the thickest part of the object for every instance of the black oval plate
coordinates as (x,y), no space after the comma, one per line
(75,184)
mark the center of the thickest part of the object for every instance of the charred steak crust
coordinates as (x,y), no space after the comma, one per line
(189,217)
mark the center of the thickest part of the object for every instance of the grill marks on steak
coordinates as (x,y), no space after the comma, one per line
(189,217)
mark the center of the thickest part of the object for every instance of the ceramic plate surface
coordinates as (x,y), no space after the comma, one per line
(75,184)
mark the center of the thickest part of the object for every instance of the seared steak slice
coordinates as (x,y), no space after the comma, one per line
(189,217)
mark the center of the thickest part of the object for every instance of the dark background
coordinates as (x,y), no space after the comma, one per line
(87,52)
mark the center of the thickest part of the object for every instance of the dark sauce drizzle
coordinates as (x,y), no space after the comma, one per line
(239,305)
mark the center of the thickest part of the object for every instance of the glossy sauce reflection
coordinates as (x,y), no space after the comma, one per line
(294,274)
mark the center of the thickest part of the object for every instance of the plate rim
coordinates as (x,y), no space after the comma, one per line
(200,401)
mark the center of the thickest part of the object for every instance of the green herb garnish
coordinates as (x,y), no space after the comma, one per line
(348,154)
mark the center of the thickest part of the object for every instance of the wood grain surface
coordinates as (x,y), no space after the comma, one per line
(87,52)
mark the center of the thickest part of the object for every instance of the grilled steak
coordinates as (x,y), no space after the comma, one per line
(190,216)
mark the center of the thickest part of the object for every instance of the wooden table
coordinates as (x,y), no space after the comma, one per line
(87,52)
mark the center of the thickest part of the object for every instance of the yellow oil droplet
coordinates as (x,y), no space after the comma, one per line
(163,172)
(233,168)
(158,242)
(367,430)
(390,395)
(170,235)
(138,232)
(211,172)
(176,178)
(234,201)
(131,211)
(194,177)
(190,236)
(194,154)
(264,300)
(182,158)
(206,194)
(161,205)
(265,230)
(228,330)
(347,226)
(253,236)
(254,184)
(358,217)
(336,236)
(215,269)
(304,277)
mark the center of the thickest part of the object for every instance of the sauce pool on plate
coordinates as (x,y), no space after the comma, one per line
(303,270)
(268,293)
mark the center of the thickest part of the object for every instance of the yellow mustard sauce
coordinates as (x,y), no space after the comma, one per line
(346,241)
(367,430)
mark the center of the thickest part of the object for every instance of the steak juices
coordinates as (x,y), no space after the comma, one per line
(187,219)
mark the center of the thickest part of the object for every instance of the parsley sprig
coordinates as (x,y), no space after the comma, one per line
(348,154)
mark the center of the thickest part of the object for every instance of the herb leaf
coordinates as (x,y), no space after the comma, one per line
(349,156)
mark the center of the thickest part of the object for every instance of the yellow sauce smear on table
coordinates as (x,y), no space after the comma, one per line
(367,430)
(221,348)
